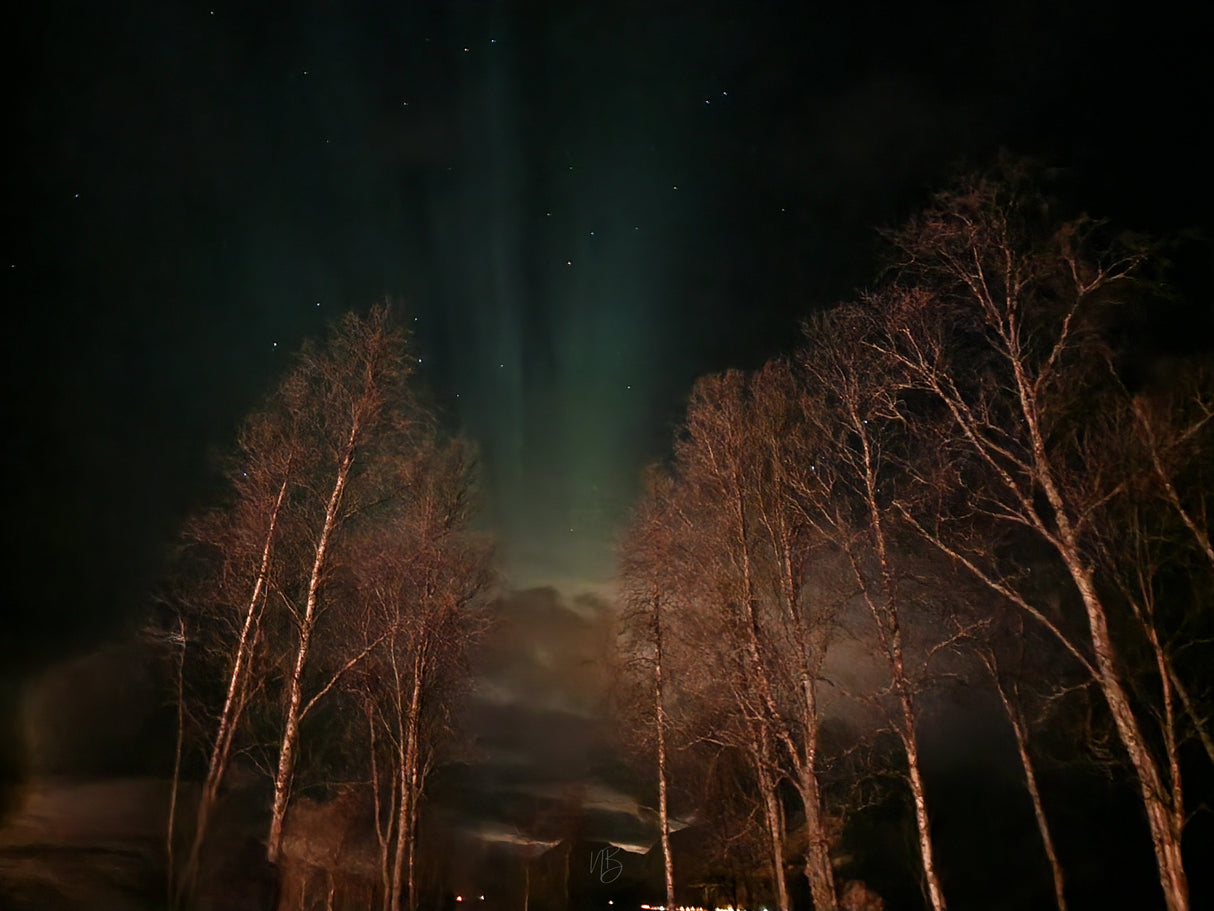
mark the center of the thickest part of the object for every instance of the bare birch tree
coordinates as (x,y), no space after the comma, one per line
(1003,654)
(348,398)
(648,569)
(422,576)
(750,551)
(849,403)
(224,579)
(993,320)
(331,447)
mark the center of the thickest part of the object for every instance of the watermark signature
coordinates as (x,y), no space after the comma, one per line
(604,863)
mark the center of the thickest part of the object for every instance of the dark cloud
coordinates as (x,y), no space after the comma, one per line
(543,742)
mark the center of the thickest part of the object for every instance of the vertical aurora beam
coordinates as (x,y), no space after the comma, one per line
(551,229)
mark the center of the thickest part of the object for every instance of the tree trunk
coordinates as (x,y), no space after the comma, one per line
(818,869)
(383,822)
(1165,832)
(889,630)
(233,706)
(1030,780)
(910,743)
(286,755)
(170,832)
(774,818)
(663,818)
(409,834)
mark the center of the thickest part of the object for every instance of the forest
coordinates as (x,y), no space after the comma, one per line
(968,516)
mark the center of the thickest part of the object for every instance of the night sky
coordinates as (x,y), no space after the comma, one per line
(579,207)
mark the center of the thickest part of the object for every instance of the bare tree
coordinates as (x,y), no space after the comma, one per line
(346,398)
(648,567)
(746,550)
(1007,672)
(422,576)
(993,322)
(220,596)
(849,404)
(333,449)
(1174,429)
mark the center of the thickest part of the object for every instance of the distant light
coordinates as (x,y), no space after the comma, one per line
(459,898)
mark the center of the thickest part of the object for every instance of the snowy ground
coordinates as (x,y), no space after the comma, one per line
(95,844)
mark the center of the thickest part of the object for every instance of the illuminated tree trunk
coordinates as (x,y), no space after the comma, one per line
(234,700)
(1030,781)
(660,707)
(1159,801)
(170,832)
(910,744)
(773,813)
(818,869)
(403,885)
(307,623)
(1165,826)
(889,631)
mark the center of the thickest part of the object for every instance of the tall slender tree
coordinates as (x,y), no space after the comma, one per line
(422,576)
(994,319)
(849,401)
